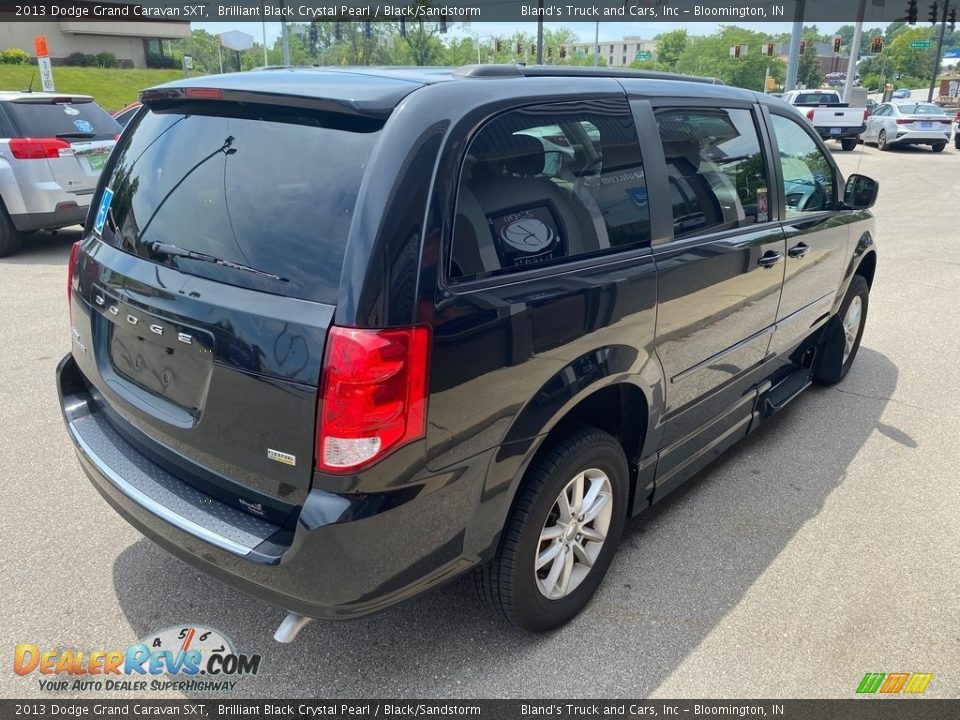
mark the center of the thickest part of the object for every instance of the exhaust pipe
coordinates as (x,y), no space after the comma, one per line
(291,626)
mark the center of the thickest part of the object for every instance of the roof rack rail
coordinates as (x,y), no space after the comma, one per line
(489,71)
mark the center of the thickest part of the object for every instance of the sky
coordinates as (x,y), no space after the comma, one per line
(608,30)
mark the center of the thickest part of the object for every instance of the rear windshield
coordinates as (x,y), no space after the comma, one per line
(921,110)
(817,99)
(80,121)
(268,188)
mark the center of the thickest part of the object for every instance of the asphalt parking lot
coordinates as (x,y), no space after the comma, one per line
(824,546)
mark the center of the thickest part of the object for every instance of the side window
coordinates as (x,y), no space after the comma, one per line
(546,184)
(808,178)
(715,169)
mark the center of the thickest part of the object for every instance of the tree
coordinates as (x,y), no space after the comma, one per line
(711,56)
(809,72)
(670,46)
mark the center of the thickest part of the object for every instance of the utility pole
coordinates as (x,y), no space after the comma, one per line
(540,35)
(936,56)
(596,45)
(263,28)
(286,42)
(793,63)
(854,52)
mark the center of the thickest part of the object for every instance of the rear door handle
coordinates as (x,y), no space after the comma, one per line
(769,259)
(798,250)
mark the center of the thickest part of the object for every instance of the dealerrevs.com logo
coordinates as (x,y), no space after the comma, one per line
(195,657)
(894,683)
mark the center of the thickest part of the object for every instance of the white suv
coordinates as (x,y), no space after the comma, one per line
(52,149)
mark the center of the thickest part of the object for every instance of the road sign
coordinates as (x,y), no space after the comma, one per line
(643,55)
(921,44)
(40,46)
(236,40)
(46,74)
(580,53)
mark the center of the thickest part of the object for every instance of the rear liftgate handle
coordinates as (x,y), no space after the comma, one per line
(769,259)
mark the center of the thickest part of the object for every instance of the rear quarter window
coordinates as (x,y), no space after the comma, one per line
(269,188)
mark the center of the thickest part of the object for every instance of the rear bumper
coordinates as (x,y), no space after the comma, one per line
(845,132)
(348,556)
(920,137)
(66,213)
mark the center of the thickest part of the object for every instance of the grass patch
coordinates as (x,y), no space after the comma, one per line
(111,88)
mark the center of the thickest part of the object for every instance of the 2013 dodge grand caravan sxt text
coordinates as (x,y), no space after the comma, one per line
(342,335)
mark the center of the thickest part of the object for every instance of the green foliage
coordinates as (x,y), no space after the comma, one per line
(14,56)
(897,58)
(710,56)
(79,59)
(670,46)
(106,60)
(809,73)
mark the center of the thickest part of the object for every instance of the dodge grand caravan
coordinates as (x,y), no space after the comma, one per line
(340,336)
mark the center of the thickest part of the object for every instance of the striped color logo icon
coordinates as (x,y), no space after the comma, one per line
(893,683)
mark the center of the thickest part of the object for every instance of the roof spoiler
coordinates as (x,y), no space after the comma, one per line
(490,71)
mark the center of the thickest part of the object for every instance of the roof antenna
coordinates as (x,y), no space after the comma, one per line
(30,88)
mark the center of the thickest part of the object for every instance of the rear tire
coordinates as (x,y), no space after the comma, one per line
(938,147)
(10,239)
(844,334)
(849,145)
(882,141)
(574,546)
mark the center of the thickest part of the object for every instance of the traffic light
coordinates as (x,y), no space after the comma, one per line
(403,28)
(876,44)
(368,30)
(563,53)
(497,45)
(337,32)
(549,51)
(933,12)
(519,48)
(736,51)
(837,41)
(912,12)
(952,18)
(769,49)
(803,46)
(443,26)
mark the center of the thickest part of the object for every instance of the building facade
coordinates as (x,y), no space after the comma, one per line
(619,53)
(135,44)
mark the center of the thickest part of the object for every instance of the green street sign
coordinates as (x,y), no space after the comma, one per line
(643,55)
(580,53)
(921,44)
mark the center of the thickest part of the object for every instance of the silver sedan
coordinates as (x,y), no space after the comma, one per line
(909,123)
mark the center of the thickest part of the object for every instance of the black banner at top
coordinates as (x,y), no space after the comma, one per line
(458,11)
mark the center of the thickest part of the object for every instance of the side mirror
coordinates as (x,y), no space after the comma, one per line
(860,192)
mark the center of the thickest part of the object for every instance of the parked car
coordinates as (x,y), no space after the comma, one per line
(125,115)
(901,94)
(914,123)
(342,338)
(829,116)
(52,149)
(956,131)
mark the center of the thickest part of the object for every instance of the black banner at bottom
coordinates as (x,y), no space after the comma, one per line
(859,709)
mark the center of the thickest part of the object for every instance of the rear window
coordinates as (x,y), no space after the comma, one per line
(817,99)
(82,120)
(268,188)
(921,110)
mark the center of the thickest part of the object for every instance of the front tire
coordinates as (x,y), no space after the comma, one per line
(561,535)
(844,337)
(938,147)
(848,145)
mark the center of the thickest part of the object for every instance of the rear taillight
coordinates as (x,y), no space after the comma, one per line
(373,395)
(38,148)
(903,121)
(810,115)
(866,114)
(71,267)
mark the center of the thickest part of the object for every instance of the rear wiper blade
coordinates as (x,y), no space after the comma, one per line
(78,135)
(173,251)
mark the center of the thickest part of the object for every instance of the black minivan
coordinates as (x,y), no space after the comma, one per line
(340,336)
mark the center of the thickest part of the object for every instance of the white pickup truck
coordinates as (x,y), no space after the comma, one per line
(831,118)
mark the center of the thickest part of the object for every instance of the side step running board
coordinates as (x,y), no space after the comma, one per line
(786,390)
